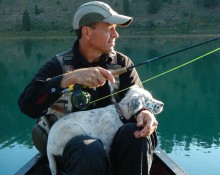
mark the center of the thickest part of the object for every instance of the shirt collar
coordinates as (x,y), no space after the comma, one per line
(104,59)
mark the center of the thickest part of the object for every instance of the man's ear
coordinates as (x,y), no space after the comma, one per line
(86,31)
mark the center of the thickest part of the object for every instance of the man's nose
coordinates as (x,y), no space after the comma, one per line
(115,33)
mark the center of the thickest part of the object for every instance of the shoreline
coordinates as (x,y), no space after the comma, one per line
(125,34)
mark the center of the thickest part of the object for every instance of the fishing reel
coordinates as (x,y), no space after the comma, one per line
(80,98)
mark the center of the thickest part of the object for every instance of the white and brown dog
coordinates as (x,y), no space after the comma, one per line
(101,123)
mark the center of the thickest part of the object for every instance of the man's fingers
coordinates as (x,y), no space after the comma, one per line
(144,132)
(99,77)
(107,74)
(96,76)
(140,121)
(92,77)
(148,122)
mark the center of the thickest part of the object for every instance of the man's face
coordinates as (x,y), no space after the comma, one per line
(102,37)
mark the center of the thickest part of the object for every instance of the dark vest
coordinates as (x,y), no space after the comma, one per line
(63,105)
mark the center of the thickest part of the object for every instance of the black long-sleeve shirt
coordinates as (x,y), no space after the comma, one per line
(44,88)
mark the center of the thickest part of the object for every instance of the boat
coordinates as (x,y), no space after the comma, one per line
(162,165)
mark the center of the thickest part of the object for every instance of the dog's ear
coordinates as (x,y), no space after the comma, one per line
(123,105)
(131,105)
(136,104)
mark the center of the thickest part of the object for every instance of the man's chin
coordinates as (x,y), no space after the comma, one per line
(111,50)
(108,50)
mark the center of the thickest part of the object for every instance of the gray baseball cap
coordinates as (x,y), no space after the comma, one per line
(96,11)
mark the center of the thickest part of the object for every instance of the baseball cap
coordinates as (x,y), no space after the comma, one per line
(97,11)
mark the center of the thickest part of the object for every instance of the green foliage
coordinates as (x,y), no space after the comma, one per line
(175,15)
(154,6)
(37,10)
(26,21)
(210,3)
(167,1)
(151,24)
(116,3)
(65,9)
(58,2)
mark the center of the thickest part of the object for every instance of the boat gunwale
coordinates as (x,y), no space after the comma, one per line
(159,155)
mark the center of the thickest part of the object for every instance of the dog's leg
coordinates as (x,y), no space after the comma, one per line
(52,163)
(59,135)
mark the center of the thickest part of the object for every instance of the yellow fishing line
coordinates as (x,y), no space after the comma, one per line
(166,72)
(182,65)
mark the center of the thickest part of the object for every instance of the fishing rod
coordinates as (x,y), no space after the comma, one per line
(125,69)
(163,73)
(81,99)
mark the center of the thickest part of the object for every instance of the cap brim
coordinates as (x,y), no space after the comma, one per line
(119,20)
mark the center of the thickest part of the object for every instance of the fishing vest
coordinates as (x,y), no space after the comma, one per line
(63,105)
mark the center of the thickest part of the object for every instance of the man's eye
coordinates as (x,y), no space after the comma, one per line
(111,27)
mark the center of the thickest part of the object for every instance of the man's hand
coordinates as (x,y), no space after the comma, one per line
(149,123)
(92,77)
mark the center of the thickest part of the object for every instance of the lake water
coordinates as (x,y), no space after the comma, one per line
(189,127)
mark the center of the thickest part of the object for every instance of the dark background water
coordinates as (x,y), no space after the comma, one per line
(188,127)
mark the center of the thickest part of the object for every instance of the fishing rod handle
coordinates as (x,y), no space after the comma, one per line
(114,73)
(118,71)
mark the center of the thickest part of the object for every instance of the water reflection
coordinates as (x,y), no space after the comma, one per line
(191,96)
(19,60)
(27,47)
(191,93)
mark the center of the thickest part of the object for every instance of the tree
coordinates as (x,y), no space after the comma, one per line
(26,21)
(210,3)
(154,6)
(36,10)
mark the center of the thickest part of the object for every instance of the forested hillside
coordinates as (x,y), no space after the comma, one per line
(188,16)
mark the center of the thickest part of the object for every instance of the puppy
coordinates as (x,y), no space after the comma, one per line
(101,123)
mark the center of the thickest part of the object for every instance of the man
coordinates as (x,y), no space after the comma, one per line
(92,54)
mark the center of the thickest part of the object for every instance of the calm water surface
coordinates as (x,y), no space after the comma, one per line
(188,130)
